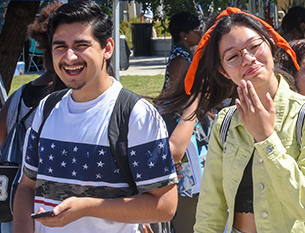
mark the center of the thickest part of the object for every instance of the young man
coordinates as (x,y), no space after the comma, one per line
(74,174)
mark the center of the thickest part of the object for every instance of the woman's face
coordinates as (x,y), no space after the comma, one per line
(256,68)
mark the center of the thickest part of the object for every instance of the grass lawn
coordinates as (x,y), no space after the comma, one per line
(142,85)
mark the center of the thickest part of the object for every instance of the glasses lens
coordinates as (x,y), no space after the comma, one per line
(256,47)
(232,59)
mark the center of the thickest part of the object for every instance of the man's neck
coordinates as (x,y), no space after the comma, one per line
(90,92)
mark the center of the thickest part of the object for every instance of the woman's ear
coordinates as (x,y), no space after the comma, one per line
(183,36)
(109,48)
(223,72)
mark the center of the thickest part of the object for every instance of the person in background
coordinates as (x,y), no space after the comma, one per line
(293,24)
(284,62)
(253,179)
(185,35)
(80,182)
(184,135)
(34,91)
(147,16)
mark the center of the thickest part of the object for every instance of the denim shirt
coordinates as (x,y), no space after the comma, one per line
(278,172)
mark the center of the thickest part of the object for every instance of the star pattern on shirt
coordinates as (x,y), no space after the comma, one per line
(100,164)
(135,164)
(89,162)
(132,153)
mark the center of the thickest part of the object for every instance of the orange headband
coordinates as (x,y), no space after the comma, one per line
(278,40)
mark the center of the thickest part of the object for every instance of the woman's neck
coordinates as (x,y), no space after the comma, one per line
(184,45)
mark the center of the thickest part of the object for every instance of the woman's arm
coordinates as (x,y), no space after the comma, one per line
(181,136)
(3,115)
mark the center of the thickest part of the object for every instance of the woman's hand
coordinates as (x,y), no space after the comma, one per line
(258,119)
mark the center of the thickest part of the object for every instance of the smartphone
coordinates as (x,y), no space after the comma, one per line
(43,215)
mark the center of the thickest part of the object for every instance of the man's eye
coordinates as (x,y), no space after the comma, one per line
(82,45)
(58,47)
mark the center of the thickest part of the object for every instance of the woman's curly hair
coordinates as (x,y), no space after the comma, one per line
(38,29)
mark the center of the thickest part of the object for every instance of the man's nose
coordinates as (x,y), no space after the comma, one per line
(71,55)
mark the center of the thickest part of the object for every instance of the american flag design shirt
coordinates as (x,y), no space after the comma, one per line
(74,157)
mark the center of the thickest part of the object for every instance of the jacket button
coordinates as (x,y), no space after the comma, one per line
(264,214)
(269,149)
(260,160)
(261,186)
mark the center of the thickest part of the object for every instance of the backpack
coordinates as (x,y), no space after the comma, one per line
(227,120)
(10,163)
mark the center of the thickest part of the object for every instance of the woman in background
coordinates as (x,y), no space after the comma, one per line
(284,62)
(185,35)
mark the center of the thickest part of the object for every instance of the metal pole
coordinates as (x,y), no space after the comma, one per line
(116,20)
(276,23)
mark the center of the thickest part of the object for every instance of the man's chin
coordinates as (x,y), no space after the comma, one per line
(76,87)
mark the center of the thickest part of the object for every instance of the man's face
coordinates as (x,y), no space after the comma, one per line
(78,58)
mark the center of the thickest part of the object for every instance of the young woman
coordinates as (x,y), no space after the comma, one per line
(254,182)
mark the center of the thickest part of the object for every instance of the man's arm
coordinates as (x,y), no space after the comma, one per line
(24,206)
(154,206)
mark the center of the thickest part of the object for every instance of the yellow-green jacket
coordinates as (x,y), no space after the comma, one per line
(278,172)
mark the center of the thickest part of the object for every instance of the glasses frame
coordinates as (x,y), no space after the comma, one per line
(247,52)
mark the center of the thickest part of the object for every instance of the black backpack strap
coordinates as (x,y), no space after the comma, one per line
(300,122)
(19,104)
(50,103)
(226,123)
(117,133)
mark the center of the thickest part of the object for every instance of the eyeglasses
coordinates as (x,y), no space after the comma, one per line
(235,57)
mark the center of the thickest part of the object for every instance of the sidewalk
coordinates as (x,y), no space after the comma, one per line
(148,65)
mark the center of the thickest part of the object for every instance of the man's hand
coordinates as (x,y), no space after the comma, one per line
(66,212)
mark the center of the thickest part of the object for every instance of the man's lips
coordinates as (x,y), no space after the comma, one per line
(73,70)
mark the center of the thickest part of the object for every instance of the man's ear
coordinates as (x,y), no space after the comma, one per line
(223,72)
(109,47)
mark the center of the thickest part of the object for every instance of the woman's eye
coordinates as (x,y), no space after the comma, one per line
(232,57)
(254,46)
